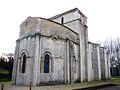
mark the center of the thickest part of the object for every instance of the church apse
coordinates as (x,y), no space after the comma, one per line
(56,50)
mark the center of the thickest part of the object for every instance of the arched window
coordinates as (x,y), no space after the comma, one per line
(74,64)
(62,20)
(23,62)
(46,63)
(92,59)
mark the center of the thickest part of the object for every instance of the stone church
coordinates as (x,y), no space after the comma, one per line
(57,50)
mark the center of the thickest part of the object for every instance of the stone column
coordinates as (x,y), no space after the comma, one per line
(89,62)
(36,67)
(14,72)
(86,50)
(67,62)
(39,59)
(81,64)
(108,60)
(71,62)
(106,65)
(29,62)
(96,61)
(65,66)
(103,60)
(83,39)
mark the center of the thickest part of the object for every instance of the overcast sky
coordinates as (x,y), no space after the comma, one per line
(103,17)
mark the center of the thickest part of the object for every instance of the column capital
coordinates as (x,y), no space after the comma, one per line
(37,34)
(85,26)
(18,40)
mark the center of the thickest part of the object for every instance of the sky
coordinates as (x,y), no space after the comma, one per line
(103,17)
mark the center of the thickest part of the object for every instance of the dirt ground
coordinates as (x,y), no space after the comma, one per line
(8,86)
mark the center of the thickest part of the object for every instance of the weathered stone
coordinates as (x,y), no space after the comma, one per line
(56,50)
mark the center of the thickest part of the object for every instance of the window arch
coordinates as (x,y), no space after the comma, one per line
(62,20)
(46,63)
(23,62)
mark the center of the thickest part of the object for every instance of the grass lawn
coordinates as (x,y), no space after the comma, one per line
(116,78)
(113,80)
(3,71)
(4,75)
(4,79)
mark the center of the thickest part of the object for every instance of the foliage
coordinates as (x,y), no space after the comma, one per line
(6,64)
(113,48)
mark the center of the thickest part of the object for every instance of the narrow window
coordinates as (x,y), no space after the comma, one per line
(62,20)
(46,63)
(26,23)
(92,59)
(23,63)
(74,64)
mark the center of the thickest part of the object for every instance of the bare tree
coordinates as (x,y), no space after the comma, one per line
(113,46)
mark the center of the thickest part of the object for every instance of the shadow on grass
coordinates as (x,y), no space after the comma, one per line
(98,87)
(4,77)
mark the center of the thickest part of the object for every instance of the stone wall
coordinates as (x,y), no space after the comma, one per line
(90,74)
(104,64)
(77,33)
(71,57)
(49,37)
(57,48)
(47,28)
(68,17)
(94,67)
(78,23)
(98,62)
(25,45)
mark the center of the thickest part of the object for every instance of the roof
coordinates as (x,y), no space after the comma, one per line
(72,10)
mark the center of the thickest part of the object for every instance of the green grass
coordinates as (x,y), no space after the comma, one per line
(3,71)
(4,75)
(115,78)
(4,79)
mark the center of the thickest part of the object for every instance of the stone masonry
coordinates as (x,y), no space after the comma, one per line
(56,50)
